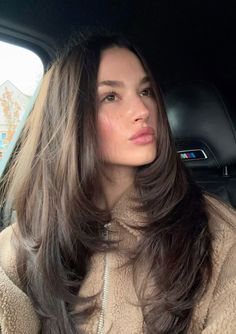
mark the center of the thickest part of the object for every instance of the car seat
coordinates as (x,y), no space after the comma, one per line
(205,136)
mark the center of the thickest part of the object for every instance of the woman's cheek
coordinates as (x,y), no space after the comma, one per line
(106,131)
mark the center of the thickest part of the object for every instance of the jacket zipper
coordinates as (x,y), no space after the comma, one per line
(101,322)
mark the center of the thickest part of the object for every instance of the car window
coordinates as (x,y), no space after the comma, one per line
(21,71)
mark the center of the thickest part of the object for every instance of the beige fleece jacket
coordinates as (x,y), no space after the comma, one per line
(214,314)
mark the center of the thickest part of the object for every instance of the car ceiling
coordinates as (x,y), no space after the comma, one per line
(183,40)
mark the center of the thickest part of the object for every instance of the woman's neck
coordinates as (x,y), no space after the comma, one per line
(115,181)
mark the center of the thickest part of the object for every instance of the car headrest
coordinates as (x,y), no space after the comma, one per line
(203,130)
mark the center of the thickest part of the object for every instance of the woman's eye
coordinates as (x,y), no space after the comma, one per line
(147,92)
(110,97)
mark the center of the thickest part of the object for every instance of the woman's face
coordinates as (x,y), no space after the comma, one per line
(127,110)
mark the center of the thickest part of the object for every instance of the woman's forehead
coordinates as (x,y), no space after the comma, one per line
(117,63)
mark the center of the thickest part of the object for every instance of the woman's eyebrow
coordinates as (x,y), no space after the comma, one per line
(111,83)
(145,80)
(117,83)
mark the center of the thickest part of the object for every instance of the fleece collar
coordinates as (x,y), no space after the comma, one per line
(125,212)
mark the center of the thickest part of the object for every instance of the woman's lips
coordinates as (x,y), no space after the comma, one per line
(143,136)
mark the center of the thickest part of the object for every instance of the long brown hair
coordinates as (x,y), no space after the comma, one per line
(52,179)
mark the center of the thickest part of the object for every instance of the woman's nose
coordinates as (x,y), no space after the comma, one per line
(140,110)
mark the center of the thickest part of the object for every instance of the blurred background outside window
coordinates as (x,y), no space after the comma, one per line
(21,71)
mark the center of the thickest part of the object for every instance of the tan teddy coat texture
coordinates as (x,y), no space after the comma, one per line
(215,313)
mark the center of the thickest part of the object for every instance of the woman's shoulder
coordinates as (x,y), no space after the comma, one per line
(222,218)
(6,235)
(18,315)
(222,226)
(215,313)
(8,252)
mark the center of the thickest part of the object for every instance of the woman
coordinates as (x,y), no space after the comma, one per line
(112,234)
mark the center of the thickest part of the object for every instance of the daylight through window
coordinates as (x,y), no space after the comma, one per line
(20,73)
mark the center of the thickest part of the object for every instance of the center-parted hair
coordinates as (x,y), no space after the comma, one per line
(52,182)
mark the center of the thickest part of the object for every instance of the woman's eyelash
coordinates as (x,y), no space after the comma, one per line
(112,95)
(148,91)
(109,97)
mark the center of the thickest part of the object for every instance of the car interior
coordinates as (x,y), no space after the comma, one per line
(190,46)
(205,136)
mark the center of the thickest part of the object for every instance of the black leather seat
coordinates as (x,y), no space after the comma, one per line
(205,136)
